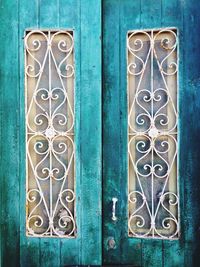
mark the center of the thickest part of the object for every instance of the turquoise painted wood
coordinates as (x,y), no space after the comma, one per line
(100,26)
(9,114)
(118,18)
(16,17)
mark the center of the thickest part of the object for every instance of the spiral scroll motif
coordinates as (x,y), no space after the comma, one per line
(49,76)
(152,121)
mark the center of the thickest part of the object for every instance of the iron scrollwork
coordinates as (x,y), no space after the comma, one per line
(152,121)
(49,85)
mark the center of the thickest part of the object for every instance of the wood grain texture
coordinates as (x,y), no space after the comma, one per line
(69,18)
(29,247)
(130,19)
(146,15)
(190,126)
(111,136)
(17,249)
(85,17)
(172,16)
(90,123)
(9,83)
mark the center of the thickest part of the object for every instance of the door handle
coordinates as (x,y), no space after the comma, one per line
(114,201)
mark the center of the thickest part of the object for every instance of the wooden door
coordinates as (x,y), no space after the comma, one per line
(122,19)
(100,30)
(19,18)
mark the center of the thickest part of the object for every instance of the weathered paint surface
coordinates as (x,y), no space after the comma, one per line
(119,17)
(85,18)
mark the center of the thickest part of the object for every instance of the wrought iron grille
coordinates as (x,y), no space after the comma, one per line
(152,133)
(49,87)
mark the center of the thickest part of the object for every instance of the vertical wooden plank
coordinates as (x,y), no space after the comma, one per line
(151,18)
(150,14)
(111,134)
(49,247)
(130,19)
(29,247)
(172,16)
(49,252)
(49,14)
(91,132)
(173,253)
(190,128)
(152,253)
(9,136)
(69,18)
(1,165)
(1,157)
(172,13)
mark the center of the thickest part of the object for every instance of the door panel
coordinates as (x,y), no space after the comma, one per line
(119,17)
(17,248)
(85,18)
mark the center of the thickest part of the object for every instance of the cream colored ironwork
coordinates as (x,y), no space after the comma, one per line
(50,175)
(152,133)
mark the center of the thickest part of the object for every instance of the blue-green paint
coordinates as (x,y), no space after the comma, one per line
(94,29)
(119,17)
(17,16)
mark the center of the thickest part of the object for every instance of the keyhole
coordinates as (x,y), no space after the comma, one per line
(111,243)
